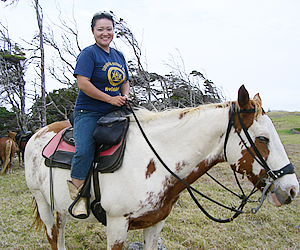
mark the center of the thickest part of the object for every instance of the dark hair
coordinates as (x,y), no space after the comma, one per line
(101,15)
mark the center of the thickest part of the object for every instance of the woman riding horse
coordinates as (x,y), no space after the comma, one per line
(140,194)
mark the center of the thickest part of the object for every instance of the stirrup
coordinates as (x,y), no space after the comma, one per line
(79,216)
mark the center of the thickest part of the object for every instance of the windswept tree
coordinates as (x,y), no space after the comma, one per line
(13,64)
(177,89)
(38,56)
(151,90)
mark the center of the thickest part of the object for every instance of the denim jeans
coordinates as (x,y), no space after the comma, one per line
(85,122)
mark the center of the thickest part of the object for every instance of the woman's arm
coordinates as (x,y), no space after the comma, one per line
(85,85)
(125,88)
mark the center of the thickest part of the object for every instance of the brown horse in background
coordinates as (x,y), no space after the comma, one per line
(21,140)
(8,149)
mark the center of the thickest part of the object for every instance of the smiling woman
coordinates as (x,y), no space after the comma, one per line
(103,30)
(103,80)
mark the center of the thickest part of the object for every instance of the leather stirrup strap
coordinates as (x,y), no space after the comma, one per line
(85,193)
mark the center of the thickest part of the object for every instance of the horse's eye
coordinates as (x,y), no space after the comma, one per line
(263,139)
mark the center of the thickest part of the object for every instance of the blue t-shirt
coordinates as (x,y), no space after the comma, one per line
(107,71)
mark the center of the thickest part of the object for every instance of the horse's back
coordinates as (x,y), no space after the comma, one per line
(35,168)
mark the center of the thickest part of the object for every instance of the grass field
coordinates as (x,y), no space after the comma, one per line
(186,227)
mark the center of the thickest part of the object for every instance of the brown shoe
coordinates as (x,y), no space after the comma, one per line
(80,208)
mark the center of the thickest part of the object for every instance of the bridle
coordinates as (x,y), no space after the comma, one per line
(271,175)
(288,169)
(267,181)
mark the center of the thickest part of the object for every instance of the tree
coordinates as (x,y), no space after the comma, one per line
(60,103)
(177,89)
(7,121)
(66,49)
(38,54)
(39,17)
(13,65)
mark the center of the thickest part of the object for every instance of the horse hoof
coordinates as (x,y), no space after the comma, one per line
(135,246)
(139,246)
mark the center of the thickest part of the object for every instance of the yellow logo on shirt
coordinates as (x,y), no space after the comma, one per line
(115,76)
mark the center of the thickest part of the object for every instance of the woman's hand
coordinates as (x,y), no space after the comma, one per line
(118,100)
(89,89)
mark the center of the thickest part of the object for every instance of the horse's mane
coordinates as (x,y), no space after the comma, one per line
(145,115)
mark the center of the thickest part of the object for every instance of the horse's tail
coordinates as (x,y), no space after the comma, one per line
(37,223)
(7,155)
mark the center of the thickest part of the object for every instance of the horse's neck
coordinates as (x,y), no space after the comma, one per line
(193,138)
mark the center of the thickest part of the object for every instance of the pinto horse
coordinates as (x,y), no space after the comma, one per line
(190,141)
(8,149)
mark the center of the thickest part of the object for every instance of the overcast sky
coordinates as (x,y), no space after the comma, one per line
(233,42)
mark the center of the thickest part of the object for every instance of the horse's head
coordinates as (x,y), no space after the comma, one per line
(12,134)
(253,148)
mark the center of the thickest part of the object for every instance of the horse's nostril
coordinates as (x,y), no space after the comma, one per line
(292,193)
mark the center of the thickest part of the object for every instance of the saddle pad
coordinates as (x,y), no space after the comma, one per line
(53,146)
(58,153)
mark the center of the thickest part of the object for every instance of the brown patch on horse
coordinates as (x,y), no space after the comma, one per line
(181,115)
(53,127)
(53,239)
(58,126)
(245,103)
(159,213)
(117,245)
(150,169)
(179,166)
(168,197)
(245,164)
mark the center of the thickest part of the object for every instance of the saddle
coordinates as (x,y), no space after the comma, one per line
(23,136)
(60,150)
(108,158)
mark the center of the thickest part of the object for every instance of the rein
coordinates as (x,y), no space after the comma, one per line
(273,175)
(289,169)
(189,187)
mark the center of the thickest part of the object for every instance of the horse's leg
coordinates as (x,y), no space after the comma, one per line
(116,232)
(47,218)
(61,222)
(19,157)
(8,146)
(151,236)
(22,162)
(12,156)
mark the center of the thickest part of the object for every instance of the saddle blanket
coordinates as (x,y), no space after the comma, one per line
(60,150)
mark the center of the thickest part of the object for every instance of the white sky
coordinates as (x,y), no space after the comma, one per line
(233,42)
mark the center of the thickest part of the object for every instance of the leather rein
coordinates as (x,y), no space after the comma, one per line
(273,175)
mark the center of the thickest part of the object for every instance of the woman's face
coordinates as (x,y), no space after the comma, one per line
(103,33)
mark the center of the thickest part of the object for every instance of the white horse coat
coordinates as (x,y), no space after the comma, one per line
(142,192)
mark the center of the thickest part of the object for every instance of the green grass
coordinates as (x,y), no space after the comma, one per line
(186,227)
(284,122)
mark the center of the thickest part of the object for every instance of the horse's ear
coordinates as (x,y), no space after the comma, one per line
(243,98)
(257,99)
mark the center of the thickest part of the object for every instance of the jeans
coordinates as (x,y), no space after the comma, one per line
(85,122)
